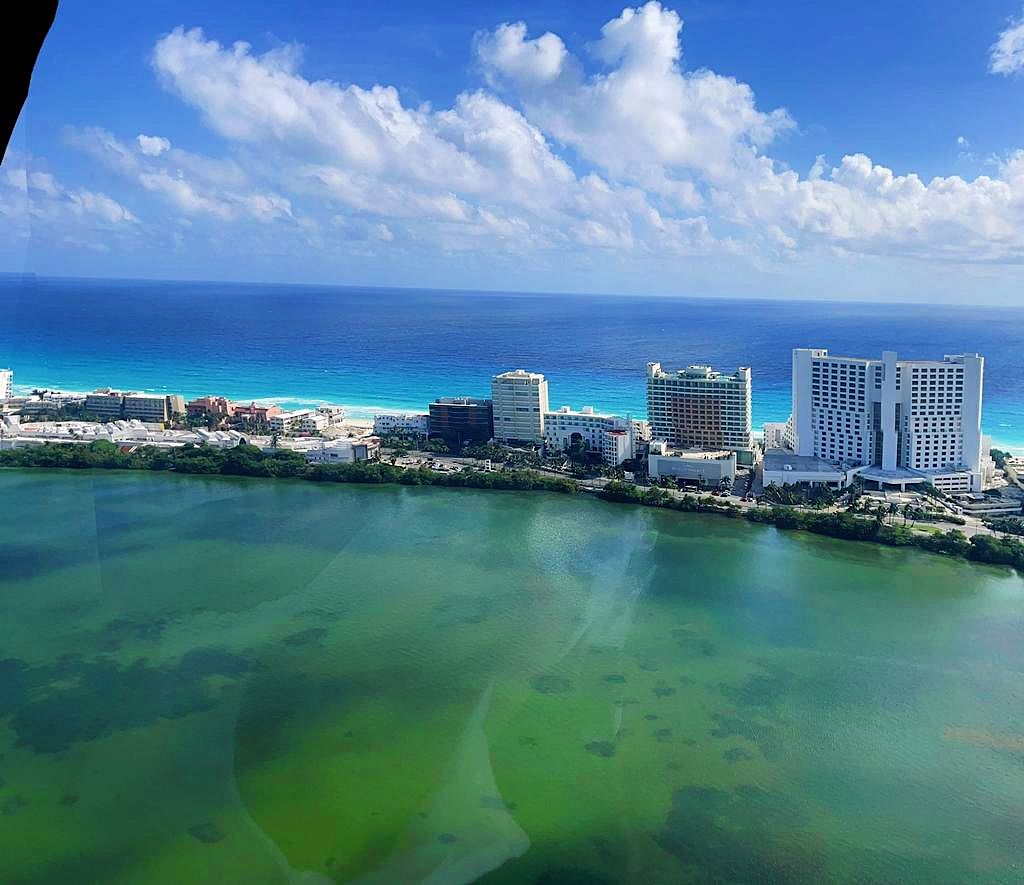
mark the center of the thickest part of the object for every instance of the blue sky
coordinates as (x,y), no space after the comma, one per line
(786,149)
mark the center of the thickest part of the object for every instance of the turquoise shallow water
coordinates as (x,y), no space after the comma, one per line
(258,681)
(399,349)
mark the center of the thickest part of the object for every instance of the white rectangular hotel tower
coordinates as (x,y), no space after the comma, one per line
(6,382)
(520,400)
(698,407)
(921,416)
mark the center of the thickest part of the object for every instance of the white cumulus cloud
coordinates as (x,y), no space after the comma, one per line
(617,150)
(33,202)
(479,168)
(152,145)
(646,119)
(1006,55)
(507,51)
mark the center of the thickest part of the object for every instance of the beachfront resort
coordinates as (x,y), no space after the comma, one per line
(890,425)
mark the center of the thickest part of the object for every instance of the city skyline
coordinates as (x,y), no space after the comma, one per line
(659,149)
(533,441)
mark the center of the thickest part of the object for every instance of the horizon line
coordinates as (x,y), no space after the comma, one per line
(22,275)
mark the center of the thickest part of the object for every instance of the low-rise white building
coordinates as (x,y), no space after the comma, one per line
(706,468)
(782,467)
(401,424)
(221,439)
(314,422)
(344,451)
(335,415)
(612,437)
(977,504)
(286,422)
(14,434)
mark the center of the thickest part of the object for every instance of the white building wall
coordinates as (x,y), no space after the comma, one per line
(775,435)
(6,384)
(408,423)
(708,469)
(975,451)
(887,410)
(618,447)
(311,423)
(801,431)
(641,431)
(832,412)
(335,415)
(952,483)
(780,478)
(287,421)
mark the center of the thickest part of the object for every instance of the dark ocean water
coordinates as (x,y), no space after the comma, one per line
(393,348)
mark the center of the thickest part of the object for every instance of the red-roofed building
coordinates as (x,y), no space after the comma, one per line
(210,405)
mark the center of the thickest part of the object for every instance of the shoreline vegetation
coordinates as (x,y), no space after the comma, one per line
(247,460)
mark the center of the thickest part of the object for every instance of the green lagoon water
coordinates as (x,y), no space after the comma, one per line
(213,680)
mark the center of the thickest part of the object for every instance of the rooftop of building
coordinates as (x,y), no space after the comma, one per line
(661,449)
(586,411)
(519,375)
(316,444)
(462,401)
(133,394)
(782,459)
(698,372)
(897,474)
(947,359)
(944,471)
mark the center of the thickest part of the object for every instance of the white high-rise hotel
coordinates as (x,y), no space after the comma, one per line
(520,400)
(6,380)
(903,421)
